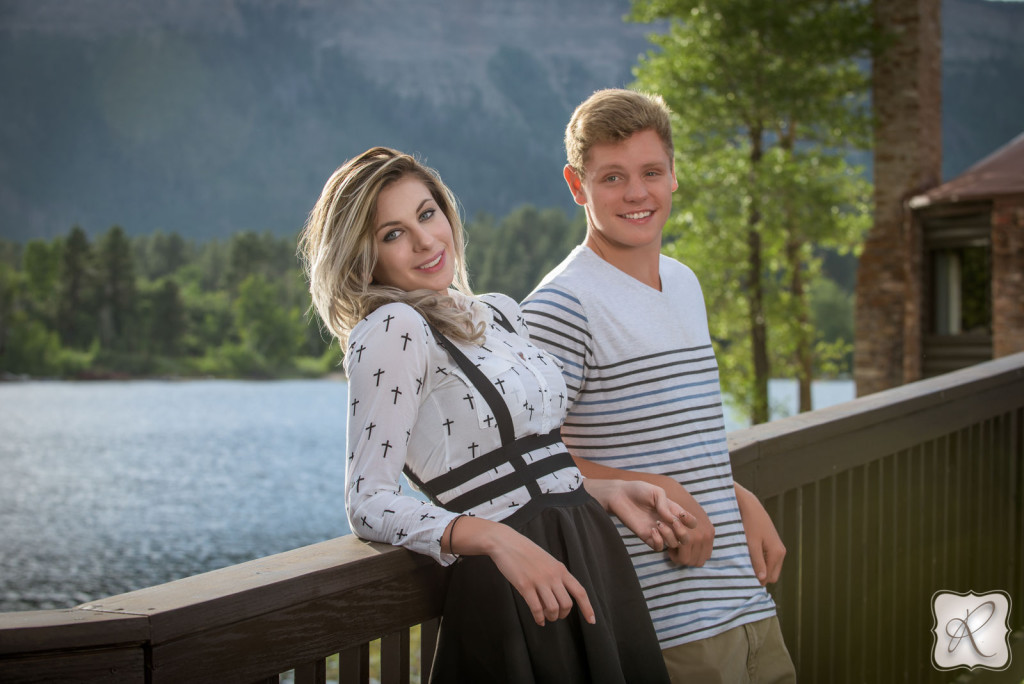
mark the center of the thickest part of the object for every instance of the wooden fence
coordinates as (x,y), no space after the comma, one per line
(881,502)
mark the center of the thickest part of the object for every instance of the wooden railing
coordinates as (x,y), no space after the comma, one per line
(883,501)
(880,501)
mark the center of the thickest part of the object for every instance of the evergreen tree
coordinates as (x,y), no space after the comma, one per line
(160,254)
(513,256)
(117,303)
(76,297)
(165,318)
(41,265)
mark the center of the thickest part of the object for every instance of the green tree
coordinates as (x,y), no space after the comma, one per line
(160,254)
(275,331)
(76,296)
(164,318)
(833,320)
(118,297)
(41,265)
(768,98)
(513,256)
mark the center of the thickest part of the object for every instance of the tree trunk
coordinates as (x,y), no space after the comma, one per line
(804,343)
(804,333)
(755,274)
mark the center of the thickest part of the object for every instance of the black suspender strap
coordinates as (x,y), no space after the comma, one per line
(511,450)
(476,376)
(500,318)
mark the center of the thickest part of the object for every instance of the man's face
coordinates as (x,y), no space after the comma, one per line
(627,191)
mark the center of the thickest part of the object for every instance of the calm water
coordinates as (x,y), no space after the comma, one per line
(108,487)
(112,486)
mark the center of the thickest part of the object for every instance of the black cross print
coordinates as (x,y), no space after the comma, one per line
(501,385)
(442,371)
(448,424)
(359,481)
(359,353)
(354,402)
(405,336)
(387,445)
(387,322)
(369,430)
(401,534)
(489,419)
(472,448)
(366,524)
(419,385)
(380,372)
(396,392)
(469,398)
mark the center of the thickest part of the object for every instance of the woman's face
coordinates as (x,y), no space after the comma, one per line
(413,238)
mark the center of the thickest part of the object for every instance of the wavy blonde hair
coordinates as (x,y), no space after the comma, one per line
(338,252)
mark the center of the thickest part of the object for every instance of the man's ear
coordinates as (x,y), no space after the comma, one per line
(575,185)
(675,178)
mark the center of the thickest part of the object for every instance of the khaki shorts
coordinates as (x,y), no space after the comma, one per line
(749,654)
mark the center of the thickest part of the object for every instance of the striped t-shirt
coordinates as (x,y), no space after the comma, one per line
(644,395)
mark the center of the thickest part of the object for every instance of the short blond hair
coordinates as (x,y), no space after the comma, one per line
(612,115)
(338,252)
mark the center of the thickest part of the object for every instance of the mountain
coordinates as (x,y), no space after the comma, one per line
(205,117)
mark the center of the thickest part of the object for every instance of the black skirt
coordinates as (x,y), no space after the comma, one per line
(487,631)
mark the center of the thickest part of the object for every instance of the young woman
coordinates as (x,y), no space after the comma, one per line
(446,387)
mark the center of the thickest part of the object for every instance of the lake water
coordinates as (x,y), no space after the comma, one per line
(107,487)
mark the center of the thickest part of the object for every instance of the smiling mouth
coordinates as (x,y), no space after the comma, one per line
(433,262)
(638,215)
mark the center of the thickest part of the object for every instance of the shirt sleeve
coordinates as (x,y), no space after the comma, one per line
(386,363)
(557,323)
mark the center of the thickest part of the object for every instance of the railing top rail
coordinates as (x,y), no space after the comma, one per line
(812,445)
(345,566)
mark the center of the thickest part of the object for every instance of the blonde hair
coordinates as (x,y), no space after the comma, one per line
(612,115)
(338,252)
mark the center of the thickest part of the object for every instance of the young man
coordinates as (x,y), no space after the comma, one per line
(630,328)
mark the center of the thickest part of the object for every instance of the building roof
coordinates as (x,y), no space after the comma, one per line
(1000,173)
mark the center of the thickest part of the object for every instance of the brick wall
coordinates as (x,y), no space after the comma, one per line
(1008,276)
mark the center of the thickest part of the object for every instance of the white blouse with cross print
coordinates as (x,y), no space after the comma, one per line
(410,403)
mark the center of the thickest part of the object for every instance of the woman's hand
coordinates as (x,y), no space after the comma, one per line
(645,509)
(544,582)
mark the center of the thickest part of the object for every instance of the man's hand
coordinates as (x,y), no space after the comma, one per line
(766,548)
(645,509)
(700,541)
